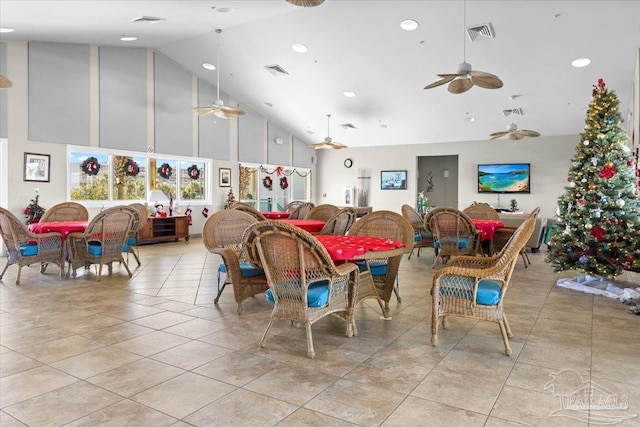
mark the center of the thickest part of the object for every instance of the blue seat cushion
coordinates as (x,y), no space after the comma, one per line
(488,290)
(95,248)
(131,241)
(246,269)
(463,242)
(28,249)
(317,294)
(417,238)
(377,268)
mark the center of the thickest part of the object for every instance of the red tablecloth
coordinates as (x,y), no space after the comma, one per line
(310,225)
(343,248)
(62,227)
(487,227)
(276,215)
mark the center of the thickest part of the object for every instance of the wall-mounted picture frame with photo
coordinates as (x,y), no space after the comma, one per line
(37,167)
(349,196)
(225,177)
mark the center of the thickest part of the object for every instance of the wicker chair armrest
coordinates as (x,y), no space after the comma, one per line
(43,236)
(467,261)
(76,235)
(217,251)
(346,268)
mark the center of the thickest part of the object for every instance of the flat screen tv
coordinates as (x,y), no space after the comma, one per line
(504,178)
(393,180)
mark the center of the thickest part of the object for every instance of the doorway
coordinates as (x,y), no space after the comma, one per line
(438,178)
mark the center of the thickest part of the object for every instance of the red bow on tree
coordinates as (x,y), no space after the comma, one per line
(608,172)
(598,233)
(279,170)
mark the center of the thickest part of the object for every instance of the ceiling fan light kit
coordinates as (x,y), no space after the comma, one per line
(218,108)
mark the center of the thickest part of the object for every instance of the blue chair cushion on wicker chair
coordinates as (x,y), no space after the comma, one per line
(95,248)
(488,290)
(28,249)
(246,269)
(462,243)
(377,268)
(317,294)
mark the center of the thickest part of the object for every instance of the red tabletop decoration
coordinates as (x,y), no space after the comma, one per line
(487,227)
(276,215)
(310,225)
(62,227)
(343,248)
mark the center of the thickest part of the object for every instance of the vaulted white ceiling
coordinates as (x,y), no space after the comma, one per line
(359,46)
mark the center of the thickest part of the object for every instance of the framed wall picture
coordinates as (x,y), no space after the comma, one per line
(225,177)
(37,167)
(349,196)
(393,180)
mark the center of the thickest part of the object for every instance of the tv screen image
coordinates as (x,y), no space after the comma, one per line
(504,178)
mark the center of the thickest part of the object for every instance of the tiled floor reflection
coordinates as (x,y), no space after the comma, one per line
(154,350)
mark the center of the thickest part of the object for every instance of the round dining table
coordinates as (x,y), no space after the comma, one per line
(62,227)
(310,225)
(276,214)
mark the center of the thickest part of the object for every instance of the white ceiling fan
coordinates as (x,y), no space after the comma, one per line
(328,142)
(512,130)
(465,77)
(218,108)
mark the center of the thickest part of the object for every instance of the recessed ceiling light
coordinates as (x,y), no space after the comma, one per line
(300,48)
(224,9)
(6,30)
(349,93)
(208,66)
(581,62)
(409,25)
(385,126)
(128,38)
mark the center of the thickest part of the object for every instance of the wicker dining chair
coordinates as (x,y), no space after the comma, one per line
(222,235)
(475,287)
(481,211)
(65,211)
(454,233)
(502,235)
(422,238)
(139,221)
(25,248)
(304,283)
(243,207)
(340,222)
(293,205)
(322,212)
(102,241)
(301,211)
(389,225)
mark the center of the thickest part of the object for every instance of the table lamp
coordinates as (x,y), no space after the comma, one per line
(155,198)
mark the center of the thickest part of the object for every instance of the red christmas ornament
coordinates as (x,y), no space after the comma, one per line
(608,172)
(601,83)
(598,233)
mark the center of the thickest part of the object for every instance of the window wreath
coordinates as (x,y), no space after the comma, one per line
(267,183)
(91,166)
(193,171)
(284,184)
(165,170)
(131,168)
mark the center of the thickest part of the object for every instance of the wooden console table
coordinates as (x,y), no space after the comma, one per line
(165,229)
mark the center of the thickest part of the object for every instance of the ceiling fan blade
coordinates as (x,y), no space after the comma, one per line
(232,111)
(515,135)
(318,145)
(337,145)
(223,114)
(204,111)
(446,78)
(485,80)
(5,83)
(531,133)
(498,134)
(460,86)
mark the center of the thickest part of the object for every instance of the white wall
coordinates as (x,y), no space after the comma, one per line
(550,159)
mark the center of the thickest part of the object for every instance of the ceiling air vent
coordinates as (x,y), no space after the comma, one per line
(514,111)
(480,32)
(276,70)
(348,126)
(148,19)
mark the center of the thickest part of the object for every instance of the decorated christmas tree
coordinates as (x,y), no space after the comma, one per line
(598,229)
(33,212)
(230,199)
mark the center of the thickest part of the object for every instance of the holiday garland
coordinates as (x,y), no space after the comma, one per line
(267,183)
(91,166)
(194,172)
(131,168)
(284,184)
(165,170)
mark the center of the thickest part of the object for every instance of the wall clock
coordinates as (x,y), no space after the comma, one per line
(348,163)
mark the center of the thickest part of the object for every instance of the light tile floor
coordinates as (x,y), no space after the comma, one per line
(154,350)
